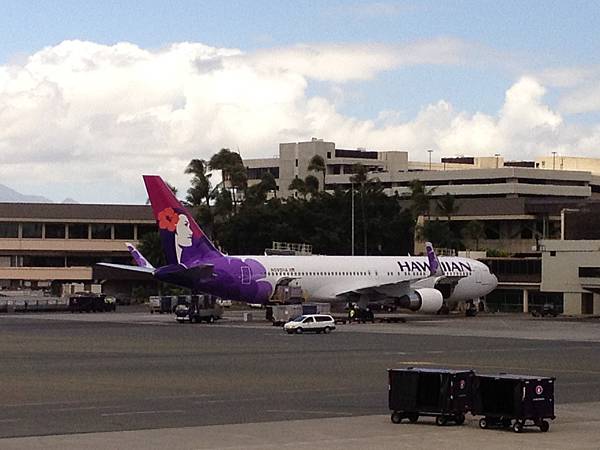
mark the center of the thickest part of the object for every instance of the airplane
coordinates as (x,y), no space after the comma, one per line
(425,284)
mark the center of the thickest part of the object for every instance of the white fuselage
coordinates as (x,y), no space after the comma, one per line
(325,278)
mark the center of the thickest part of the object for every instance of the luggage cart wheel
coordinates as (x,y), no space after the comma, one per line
(544,426)
(483,423)
(517,427)
(460,419)
(440,420)
(413,418)
(396,417)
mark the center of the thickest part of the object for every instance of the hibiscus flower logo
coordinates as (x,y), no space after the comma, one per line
(168,219)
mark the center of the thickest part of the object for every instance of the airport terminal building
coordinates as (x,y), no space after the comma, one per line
(43,245)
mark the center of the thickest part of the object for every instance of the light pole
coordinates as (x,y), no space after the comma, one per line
(553,160)
(430,151)
(497,155)
(352,187)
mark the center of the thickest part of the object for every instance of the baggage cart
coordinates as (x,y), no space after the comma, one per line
(513,401)
(441,393)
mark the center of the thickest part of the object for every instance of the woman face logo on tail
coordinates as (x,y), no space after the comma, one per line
(179,225)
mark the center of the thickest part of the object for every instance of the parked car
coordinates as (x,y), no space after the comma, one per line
(310,322)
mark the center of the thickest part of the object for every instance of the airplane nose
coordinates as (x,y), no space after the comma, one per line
(494,281)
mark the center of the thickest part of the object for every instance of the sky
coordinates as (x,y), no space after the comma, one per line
(95,94)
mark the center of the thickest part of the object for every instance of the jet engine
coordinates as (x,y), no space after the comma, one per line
(425,300)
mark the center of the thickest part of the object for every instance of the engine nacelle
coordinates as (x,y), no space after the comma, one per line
(425,300)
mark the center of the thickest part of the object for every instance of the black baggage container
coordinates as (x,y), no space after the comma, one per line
(509,400)
(441,393)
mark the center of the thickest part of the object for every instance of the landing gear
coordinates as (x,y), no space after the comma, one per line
(471,310)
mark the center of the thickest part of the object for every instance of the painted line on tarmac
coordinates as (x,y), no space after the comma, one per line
(130,413)
(9,420)
(232,400)
(302,411)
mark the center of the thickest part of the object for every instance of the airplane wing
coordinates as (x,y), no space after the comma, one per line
(396,288)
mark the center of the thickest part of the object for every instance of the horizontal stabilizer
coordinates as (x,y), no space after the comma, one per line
(182,275)
(109,271)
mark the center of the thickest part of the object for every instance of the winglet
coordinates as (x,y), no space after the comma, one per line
(138,257)
(434,262)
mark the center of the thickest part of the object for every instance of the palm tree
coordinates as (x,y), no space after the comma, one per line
(234,172)
(448,206)
(360,177)
(474,230)
(419,196)
(317,164)
(200,184)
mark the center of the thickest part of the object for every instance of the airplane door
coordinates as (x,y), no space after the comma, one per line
(246,276)
(478,276)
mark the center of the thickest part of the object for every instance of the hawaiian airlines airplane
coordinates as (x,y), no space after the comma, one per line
(425,284)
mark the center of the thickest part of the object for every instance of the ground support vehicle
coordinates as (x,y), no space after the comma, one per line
(202,308)
(513,401)
(280,314)
(441,393)
(91,303)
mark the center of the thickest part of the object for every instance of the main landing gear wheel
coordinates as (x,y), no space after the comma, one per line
(396,417)
(483,424)
(440,421)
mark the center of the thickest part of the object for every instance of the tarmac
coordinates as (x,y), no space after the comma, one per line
(135,380)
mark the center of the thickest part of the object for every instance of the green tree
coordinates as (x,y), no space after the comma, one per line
(199,190)
(360,178)
(268,183)
(475,231)
(448,206)
(317,164)
(311,184)
(299,186)
(419,197)
(232,167)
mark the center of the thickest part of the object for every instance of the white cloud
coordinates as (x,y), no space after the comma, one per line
(80,115)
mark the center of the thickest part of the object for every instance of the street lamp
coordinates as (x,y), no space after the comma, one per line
(430,151)
(497,155)
(553,160)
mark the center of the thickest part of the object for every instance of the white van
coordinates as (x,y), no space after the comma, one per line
(310,322)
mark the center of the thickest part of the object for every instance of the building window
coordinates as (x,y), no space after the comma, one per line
(78,231)
(296,163)
(31,230)
(589,272)
(43,261)
(55,231)
(9,230)
(101,231)
(328,155)
(123,231)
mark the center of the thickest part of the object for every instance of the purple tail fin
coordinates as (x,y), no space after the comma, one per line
(182,239)
(434,262)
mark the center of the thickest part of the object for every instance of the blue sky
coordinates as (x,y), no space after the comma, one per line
(445,67)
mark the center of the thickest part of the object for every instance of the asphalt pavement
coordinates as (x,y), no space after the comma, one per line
(66,374)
